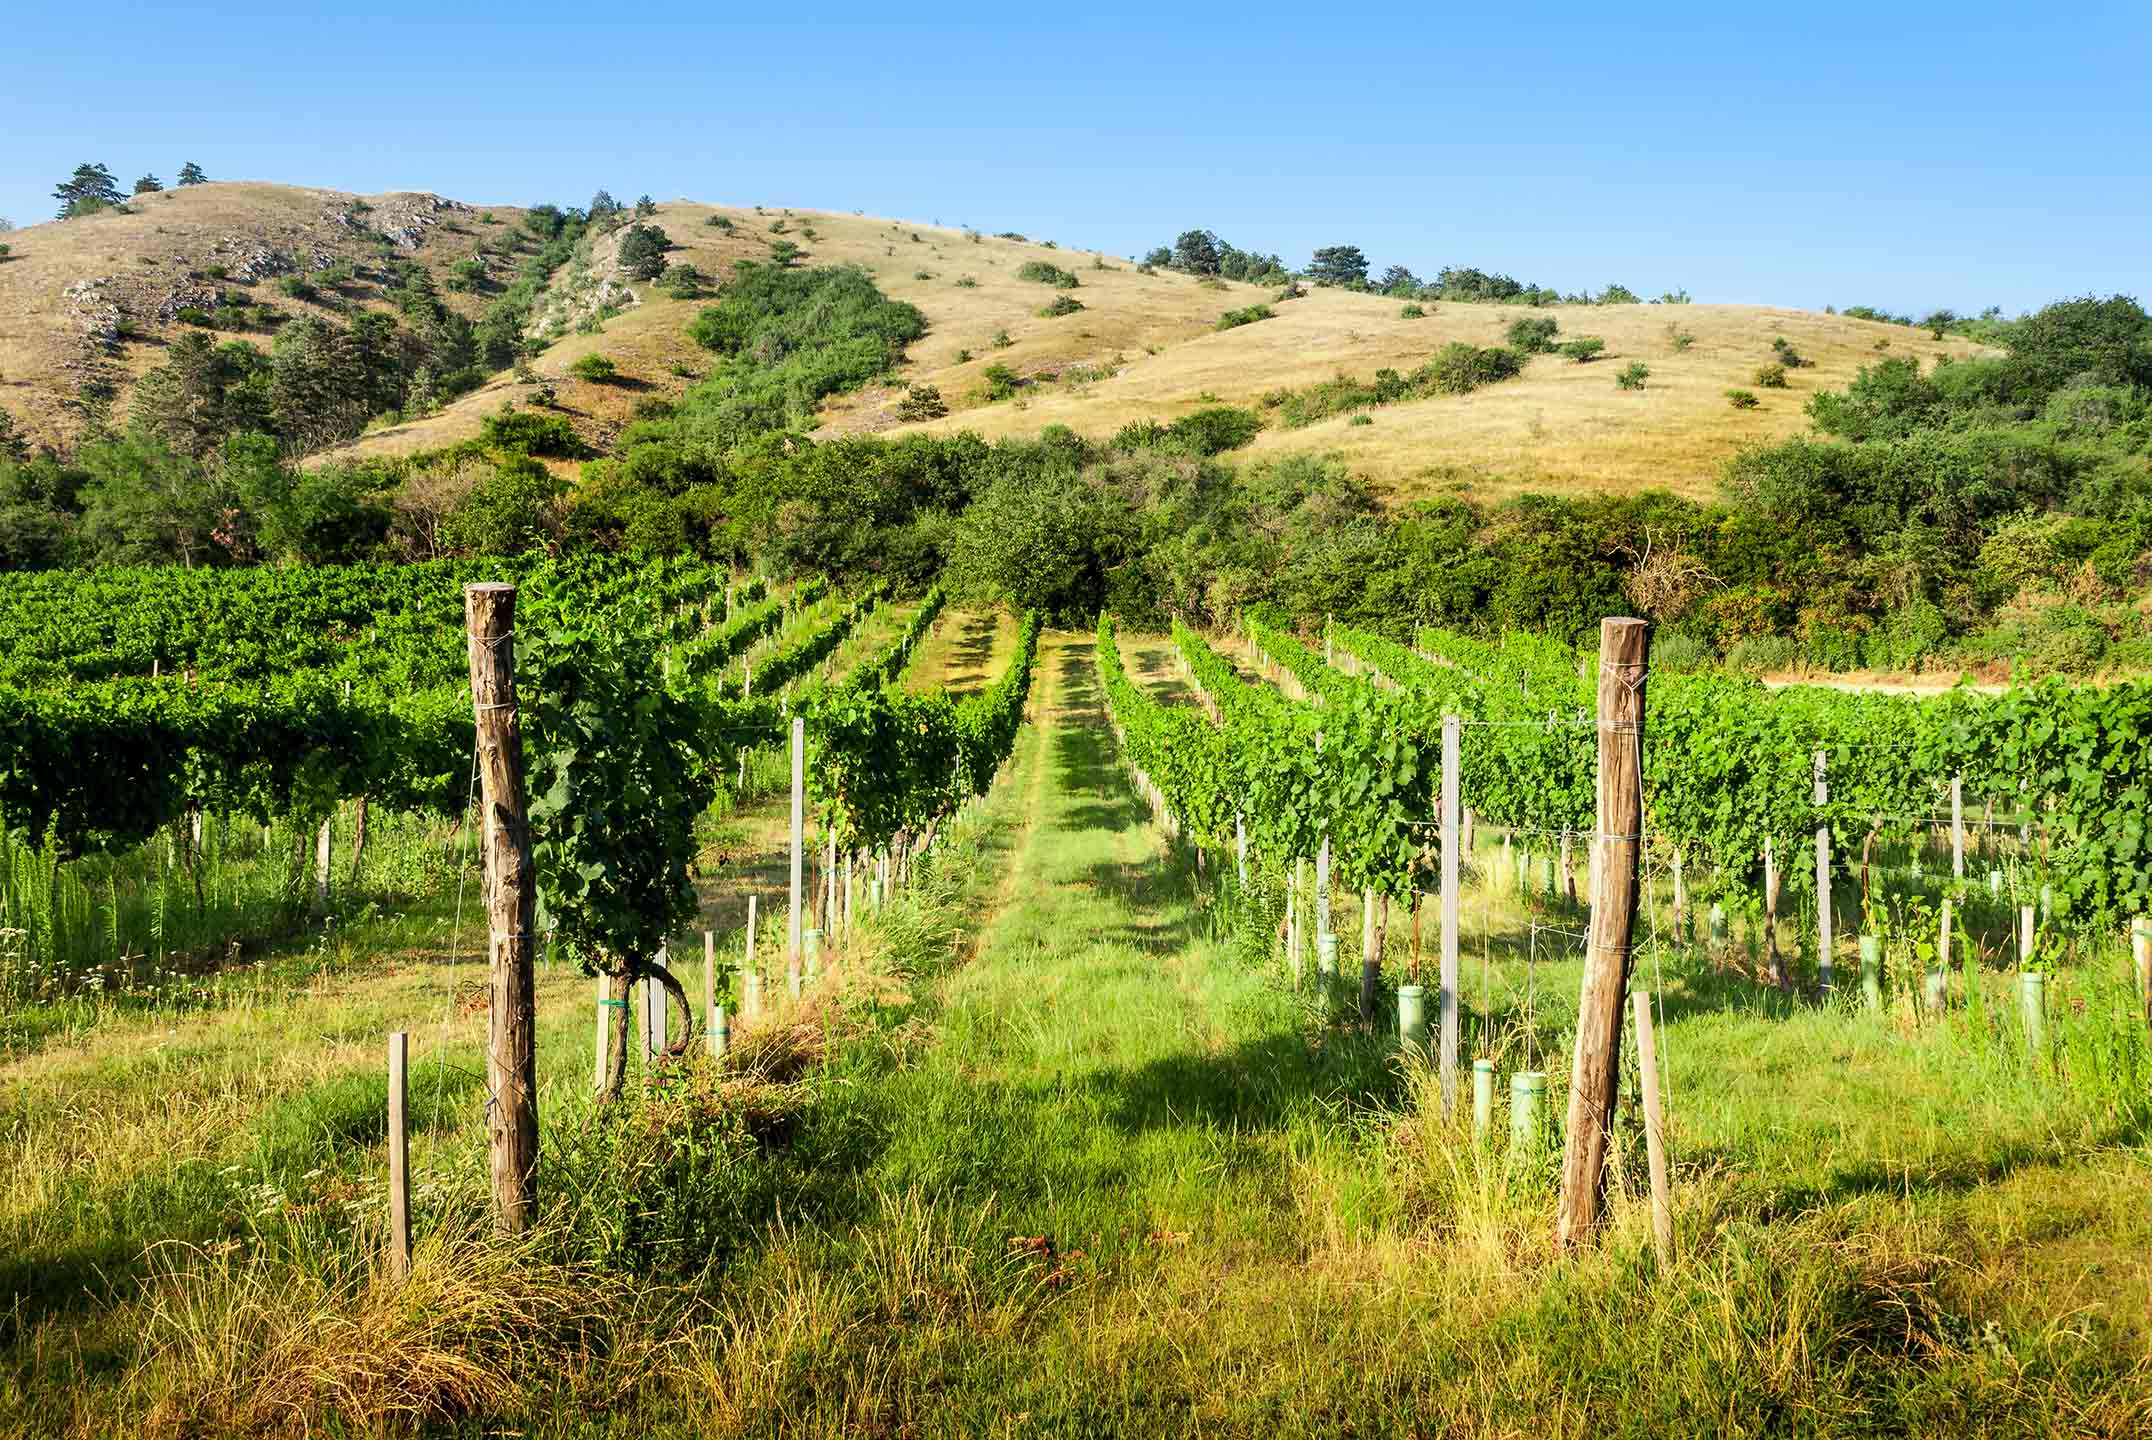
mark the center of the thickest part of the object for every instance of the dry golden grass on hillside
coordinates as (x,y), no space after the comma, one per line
(1153,351)
(1143,347)
(91,299)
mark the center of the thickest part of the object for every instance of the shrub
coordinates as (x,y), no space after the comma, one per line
(642,251)
(1459,368)
(921,402)
(1678,652)
(1771,377)
(1585,349)
(1211,282)
(683,281)
(1363,418)
(967,282)
(1679,338)
(1412,311)
(594,368)
(777,227)
(1146,268)
(1246,316)
(298,287)
(529,433)
(1061,305)
(1633,376)
(783,253)
(1044,273)
(1742,399)
(1207,432)
(963,357)
(1293,291)
(922,274)
(1534,334)
(1001,382)
(1761,654)
(1788,356)
(1001,340)
(718,222)
(653,407)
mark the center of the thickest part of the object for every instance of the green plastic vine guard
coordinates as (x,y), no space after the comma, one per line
(1482,1100)
(1412,1019)
(1872,971)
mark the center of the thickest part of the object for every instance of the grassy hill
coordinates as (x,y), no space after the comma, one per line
(1147,347)
(94,301)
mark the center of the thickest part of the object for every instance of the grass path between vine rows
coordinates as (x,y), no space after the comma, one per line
(1134,1186)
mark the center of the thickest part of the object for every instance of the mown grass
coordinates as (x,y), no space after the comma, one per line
(1057,1149)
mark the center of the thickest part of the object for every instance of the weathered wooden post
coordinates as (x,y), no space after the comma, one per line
(713,1038)
(511,897)
(1322,870)
(1595,1073)
(795,927)
(399,1156)
(1957,827)
(1452,732)
(1823,875)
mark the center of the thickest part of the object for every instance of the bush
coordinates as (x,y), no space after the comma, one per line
(1678,652)
(1761,654)
(1788,356)
(1633,376)
(1742,399)
(1459,368)
(1363,418)
(683,281)
(594,368)
(921,402)
(298,287)
(525,432)
(1211,282)
(1061,305)
(1001,382)
(1679,338)
(718,222)
(922,274)
(1771,377)
(1534,334)
(1001,340)
(1293,291)
(1232,319)
(642,252)
(1047,274)
(1412,311)
(967,282)
(1585,349)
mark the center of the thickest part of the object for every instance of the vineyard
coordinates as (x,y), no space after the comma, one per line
(785,1036)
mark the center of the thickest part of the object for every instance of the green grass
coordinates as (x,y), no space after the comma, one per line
(1060,1150)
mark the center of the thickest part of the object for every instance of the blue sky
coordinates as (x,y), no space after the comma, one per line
(1900,154)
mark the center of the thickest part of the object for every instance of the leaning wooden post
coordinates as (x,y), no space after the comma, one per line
(1662,1199)
(1823,875)
(399,1156)
(511,896)
(799,835)
(1596,1069)
(1452,858)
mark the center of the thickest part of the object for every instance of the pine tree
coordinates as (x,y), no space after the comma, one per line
(1338,265)
(89,189)
(148,185)
(645,207)
(191,174)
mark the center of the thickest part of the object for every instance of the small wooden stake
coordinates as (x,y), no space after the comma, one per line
(399,1156)
(1662,1200)
(713,1019)
(1596,1071)
(604,1031)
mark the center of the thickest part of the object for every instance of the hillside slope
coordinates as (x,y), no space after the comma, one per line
(1144,347)
(94,300)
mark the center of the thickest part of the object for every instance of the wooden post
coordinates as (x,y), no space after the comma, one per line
(399,1156)
(1822,797)
(511,896)
(658,1006)
(1322,871)
(1770,913)
(1662,1199)
(794,927)
(1240,847)
(1957,827)
(1452,735)
(1370,958)
(1681,902)
(2141,951)
(1596,1070)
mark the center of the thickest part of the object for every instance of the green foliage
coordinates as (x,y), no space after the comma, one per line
(782,253)
(1059,306)
(529,433)
(1533,334)
(684,281)
(718,222)
(1412,310)
(1584,349)
(1000,381)
(967,282)
(594,368)
(1456,369)
(1000,340)
(1679,338)
(1633,375)
(921,402)
(1742,399)
(90,189)
(1045,273)
(642,251)
(148,185)
(1771,377)
(1338,265)
(191,174)
(1788,356)
(1247,315)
